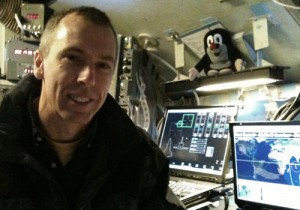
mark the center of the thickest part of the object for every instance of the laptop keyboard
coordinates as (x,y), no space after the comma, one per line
(182,188)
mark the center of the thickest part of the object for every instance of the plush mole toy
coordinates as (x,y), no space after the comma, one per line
(221,56)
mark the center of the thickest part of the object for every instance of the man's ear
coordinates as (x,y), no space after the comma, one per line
(38,70)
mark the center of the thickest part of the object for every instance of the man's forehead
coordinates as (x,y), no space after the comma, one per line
(78,31)
(74,22)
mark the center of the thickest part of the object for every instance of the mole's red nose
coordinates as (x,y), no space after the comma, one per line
(212,46)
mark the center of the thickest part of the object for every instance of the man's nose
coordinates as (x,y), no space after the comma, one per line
(87,76)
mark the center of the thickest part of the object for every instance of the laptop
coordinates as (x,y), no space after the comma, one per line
(196,142)
(266,163)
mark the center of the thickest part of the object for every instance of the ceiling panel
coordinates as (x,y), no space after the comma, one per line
(154,17)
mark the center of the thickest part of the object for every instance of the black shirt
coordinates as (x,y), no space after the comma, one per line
(71,176)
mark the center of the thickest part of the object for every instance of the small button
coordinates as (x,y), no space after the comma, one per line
(39,139)
(53,165)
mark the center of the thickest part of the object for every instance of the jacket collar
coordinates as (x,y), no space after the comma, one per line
(118,126)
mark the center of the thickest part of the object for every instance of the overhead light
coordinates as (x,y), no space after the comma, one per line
(246,78)
(242,79)
(237,84)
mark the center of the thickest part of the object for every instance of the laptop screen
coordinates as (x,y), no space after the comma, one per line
(266,164)
(195,139)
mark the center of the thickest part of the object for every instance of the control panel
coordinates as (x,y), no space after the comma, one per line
(129,63)
(19,58)
(32,21)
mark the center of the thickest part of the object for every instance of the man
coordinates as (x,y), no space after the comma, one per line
(64,142)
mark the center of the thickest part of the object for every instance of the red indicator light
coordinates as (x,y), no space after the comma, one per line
(32,16)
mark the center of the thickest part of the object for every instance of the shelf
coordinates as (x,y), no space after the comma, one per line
(177,89)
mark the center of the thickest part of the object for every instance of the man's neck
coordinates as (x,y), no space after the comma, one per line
(58,129)
(63,137)
(64,150)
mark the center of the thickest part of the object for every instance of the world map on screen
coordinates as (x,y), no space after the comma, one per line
(269,160)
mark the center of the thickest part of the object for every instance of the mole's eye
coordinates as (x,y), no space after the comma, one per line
(218,39)
(209,40)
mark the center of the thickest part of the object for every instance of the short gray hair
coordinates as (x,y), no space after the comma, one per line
(91,14)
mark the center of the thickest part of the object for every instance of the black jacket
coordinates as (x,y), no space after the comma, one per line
(137,177)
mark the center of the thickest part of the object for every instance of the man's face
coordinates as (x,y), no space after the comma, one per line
(77,71)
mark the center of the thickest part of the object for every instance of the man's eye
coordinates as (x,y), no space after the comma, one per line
(73,60)
(72,57)
(104,66)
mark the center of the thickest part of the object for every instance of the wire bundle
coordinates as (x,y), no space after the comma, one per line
(289,110)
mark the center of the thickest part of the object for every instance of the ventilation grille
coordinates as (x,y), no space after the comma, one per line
(8,8)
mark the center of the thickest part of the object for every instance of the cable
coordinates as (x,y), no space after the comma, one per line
(222,192)
(291,107)
(163,61)
(288,111)
(159,127)
(266,93)
(226,201)
(281,110)
(292,115)
(285,5)
(196,97)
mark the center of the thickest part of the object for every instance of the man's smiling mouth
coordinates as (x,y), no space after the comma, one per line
(80,99)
